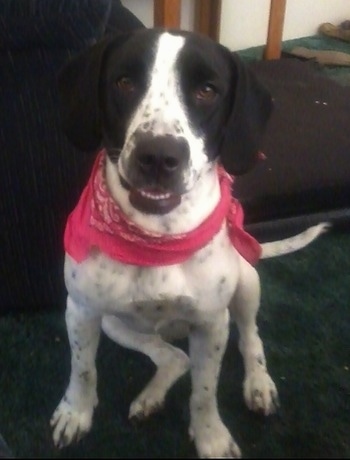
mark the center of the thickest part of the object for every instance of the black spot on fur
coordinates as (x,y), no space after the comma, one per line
(204,256)
(84,376)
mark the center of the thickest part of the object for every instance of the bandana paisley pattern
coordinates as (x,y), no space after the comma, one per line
(98,222)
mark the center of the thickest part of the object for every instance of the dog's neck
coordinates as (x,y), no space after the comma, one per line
(196,205)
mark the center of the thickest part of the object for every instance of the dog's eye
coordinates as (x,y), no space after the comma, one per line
(205,93)
(125,84)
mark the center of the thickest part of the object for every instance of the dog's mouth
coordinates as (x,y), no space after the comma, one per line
(151,200)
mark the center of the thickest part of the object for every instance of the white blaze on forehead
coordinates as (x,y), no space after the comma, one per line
(164,89)
(162,111)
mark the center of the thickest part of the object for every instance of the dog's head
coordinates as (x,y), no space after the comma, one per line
(164,105)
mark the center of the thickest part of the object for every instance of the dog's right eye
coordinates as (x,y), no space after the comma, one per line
(205,94)
(125,84)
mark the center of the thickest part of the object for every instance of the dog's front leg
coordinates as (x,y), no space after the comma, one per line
(207,346)
(260,392)
(73,416)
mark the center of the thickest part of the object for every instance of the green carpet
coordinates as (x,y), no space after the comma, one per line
(305,324)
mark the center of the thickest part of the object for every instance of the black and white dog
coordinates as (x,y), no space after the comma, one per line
(155,247)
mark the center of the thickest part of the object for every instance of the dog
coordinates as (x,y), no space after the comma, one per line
(155,248)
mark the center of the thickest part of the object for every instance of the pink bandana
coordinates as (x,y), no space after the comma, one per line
(97,222)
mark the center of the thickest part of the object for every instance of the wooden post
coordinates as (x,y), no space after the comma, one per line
(167,13)
(207,16)
(275,30)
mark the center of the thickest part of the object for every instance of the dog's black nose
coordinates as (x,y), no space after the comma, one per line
(157,161)
(160,157)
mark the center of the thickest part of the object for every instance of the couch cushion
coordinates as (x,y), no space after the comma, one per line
(306,174)
(41,174)
(52,23)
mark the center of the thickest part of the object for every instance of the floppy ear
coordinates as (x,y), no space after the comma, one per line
(78,85)
(251,107)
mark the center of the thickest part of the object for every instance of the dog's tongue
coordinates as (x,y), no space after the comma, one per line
(154,201)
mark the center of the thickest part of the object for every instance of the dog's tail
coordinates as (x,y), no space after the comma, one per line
(294,243)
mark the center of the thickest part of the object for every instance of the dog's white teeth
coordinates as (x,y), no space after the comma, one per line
(155,196)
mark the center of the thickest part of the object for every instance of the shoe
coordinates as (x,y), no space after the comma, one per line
(323,57)
(342,32)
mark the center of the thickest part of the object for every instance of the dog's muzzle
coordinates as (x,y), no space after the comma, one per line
(155,172)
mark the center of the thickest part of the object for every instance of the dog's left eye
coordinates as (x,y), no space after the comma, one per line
(126,84)
(205,93)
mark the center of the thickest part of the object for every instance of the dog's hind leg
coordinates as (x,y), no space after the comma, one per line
(171,364)
(260,391)
(73,416)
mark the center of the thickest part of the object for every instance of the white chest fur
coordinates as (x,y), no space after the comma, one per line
(154,296)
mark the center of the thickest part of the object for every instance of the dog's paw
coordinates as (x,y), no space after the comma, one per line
(151,399)
(70,425)
(213,440)
(260,392)
(147,403)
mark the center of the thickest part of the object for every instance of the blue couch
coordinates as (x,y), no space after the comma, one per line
(41,174)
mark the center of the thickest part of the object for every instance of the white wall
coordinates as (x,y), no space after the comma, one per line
(143,9)
(313,13)
(244,22)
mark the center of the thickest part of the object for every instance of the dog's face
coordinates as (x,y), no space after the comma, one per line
(164,105)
